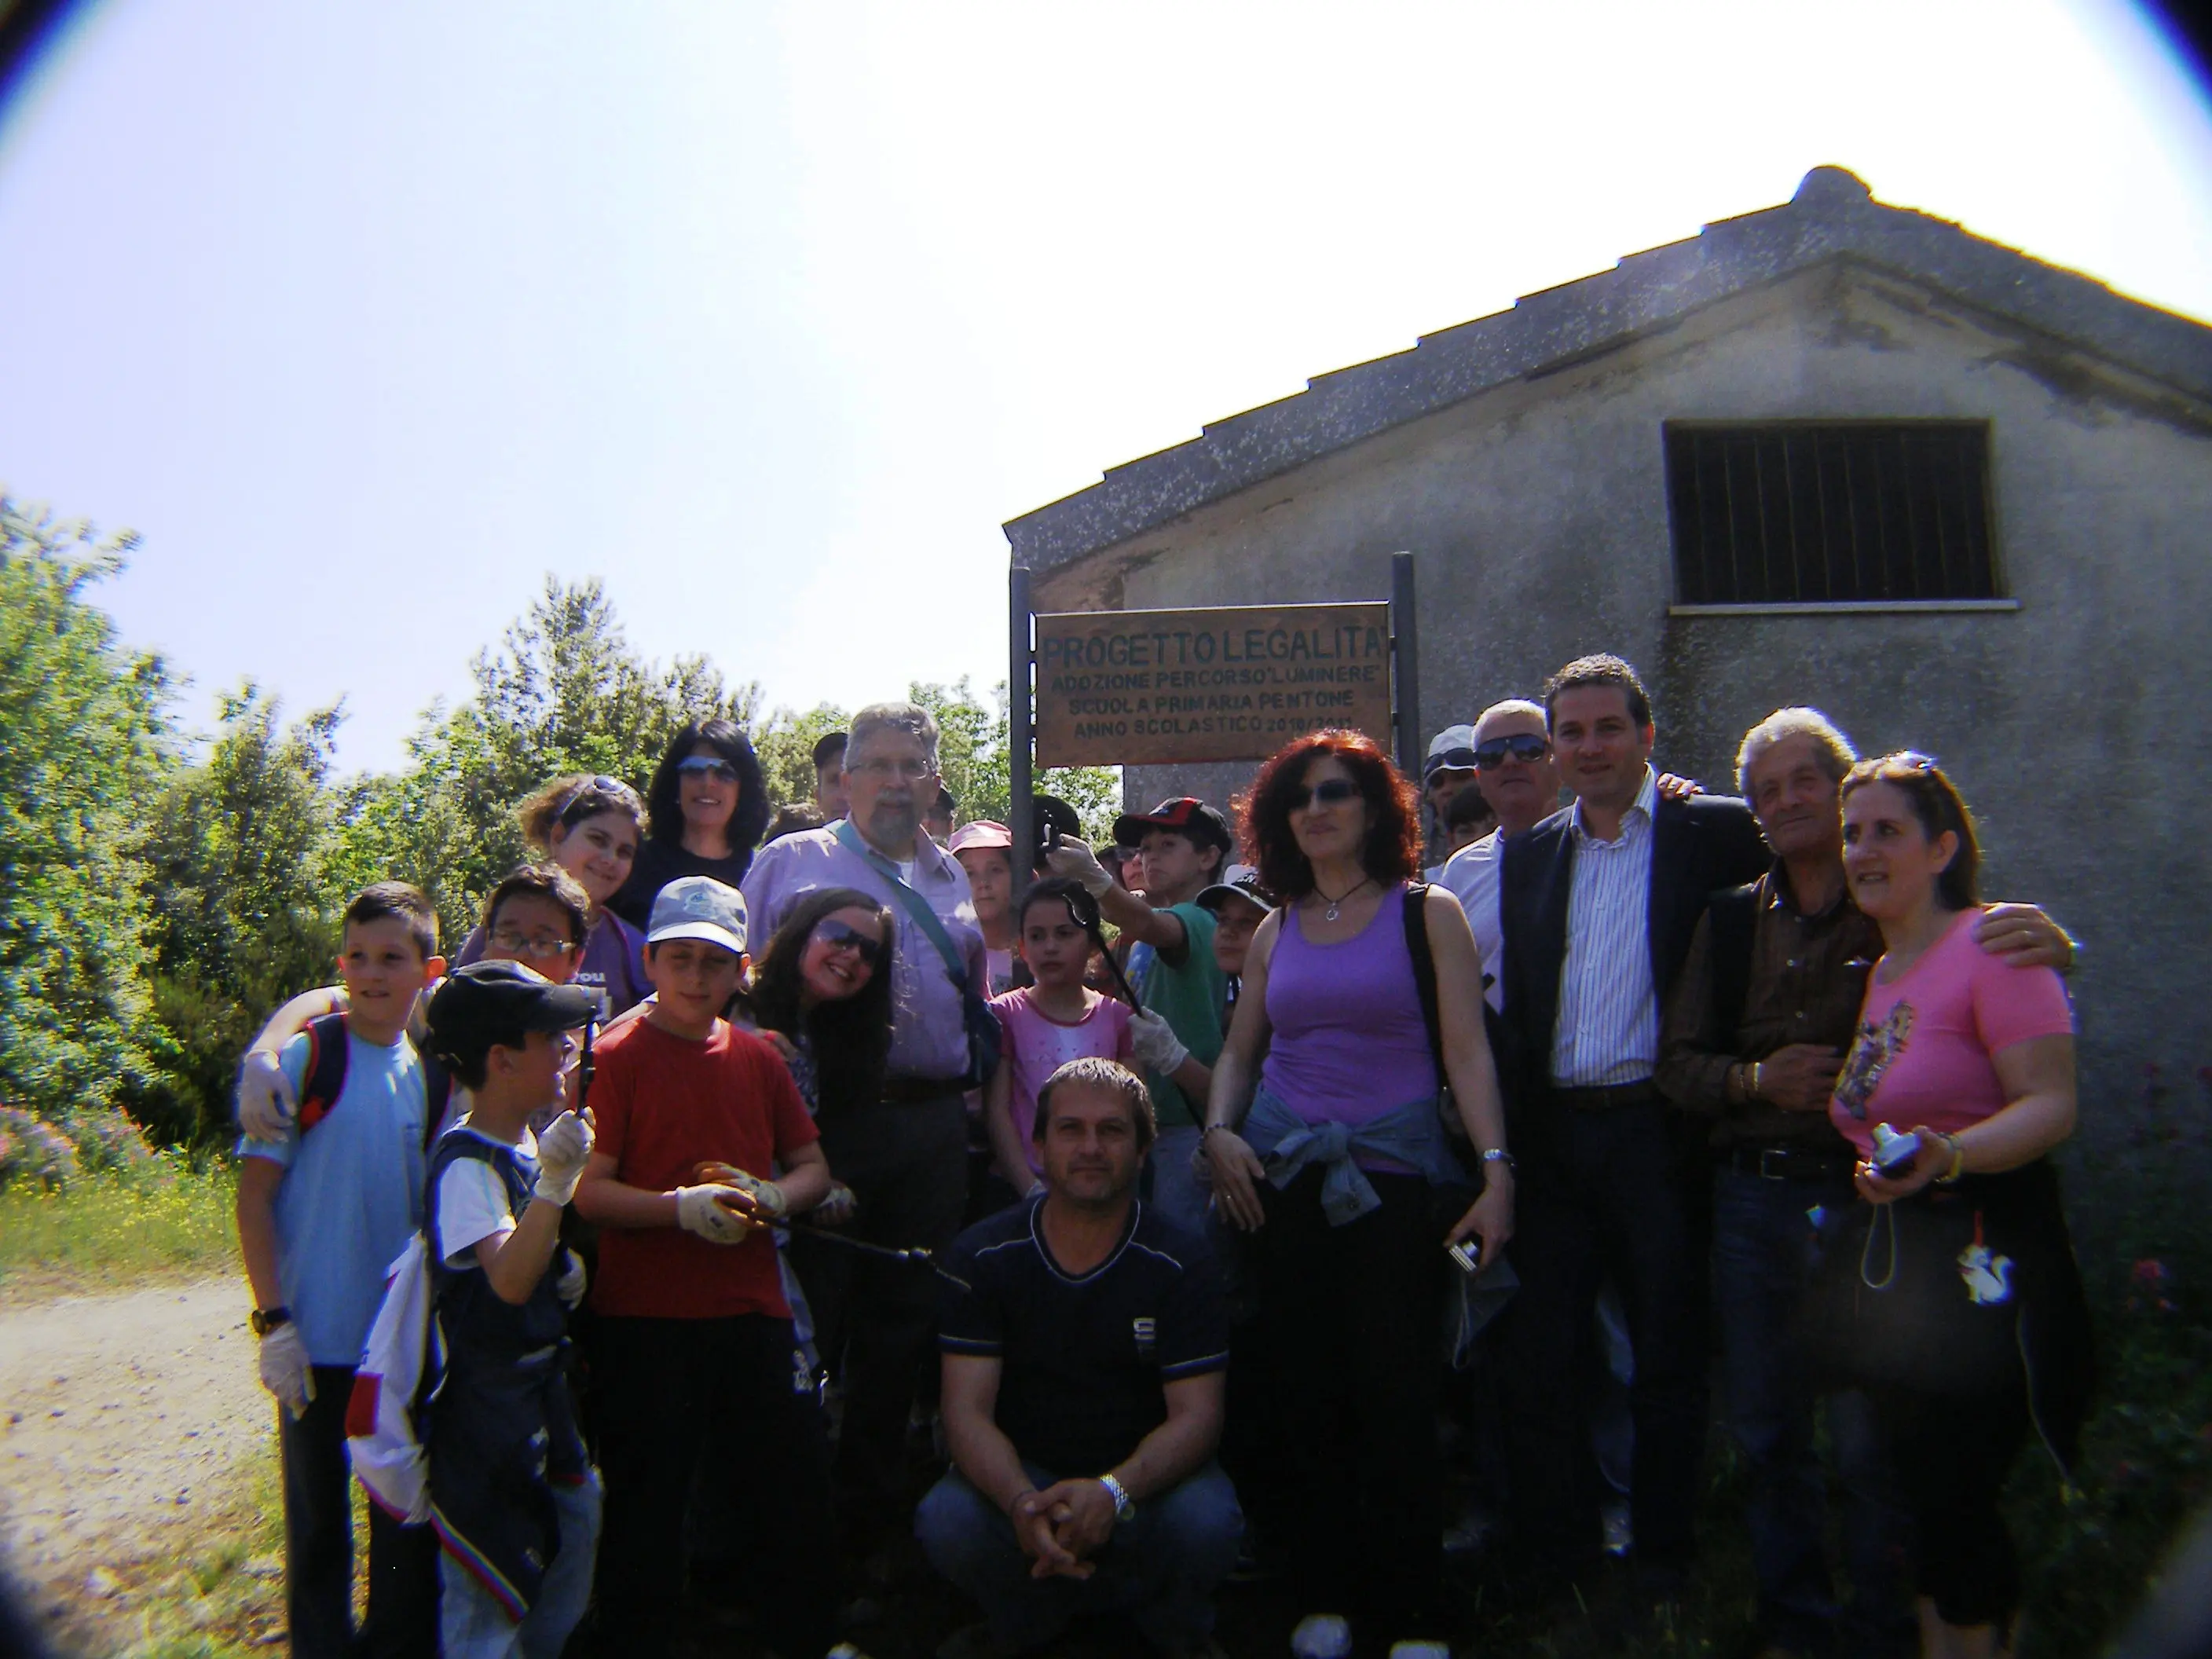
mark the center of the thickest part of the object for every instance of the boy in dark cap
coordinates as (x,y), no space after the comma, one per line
(512,1494)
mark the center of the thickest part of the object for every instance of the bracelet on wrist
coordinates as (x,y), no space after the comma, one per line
(1950,1176)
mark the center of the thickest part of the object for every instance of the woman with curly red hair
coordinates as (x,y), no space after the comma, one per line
(1332,1169)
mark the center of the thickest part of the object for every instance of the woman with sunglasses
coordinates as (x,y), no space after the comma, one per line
(819,993)
(1334,1167)
(709,805)
(590,826)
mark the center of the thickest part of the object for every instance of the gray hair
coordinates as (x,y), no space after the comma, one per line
(910,718)
(1832,748)
(1513,705)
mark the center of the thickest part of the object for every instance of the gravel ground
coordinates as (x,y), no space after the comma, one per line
(124,1420)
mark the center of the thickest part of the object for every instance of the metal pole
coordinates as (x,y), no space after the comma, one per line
(1405,662)
(1021,810)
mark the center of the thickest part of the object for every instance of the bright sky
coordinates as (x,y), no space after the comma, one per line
(368,315)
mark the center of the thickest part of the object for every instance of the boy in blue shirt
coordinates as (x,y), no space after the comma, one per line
(323,1208)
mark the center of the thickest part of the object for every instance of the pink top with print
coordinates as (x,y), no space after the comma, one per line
(1923,1052)
(1037,1045)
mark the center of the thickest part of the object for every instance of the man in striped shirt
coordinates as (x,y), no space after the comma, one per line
(1597,905)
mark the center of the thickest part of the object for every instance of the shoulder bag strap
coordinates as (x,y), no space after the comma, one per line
(915,905)
(1425,973)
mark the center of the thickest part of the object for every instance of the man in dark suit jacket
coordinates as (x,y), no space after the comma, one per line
(1598,905)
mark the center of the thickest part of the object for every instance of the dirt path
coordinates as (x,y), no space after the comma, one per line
(122,1418)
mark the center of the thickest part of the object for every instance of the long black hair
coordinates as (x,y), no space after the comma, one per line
(851,1039)
(664,801)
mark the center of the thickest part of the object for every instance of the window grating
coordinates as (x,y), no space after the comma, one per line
(1799,512)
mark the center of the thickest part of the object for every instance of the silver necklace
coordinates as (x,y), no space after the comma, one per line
(1336,905)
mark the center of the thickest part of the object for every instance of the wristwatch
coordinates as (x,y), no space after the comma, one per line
(1499,1155)
(1125,1507)
(266,1320)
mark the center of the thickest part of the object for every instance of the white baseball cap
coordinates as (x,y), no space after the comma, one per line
(699,907)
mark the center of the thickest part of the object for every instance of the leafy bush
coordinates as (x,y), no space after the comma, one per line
(33,1152)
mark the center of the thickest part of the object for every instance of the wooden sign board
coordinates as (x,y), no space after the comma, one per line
(1139,688)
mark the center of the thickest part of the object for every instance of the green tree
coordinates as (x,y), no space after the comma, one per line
(976,753)
(243,914)
(566,692)
(785,745)
(87,740)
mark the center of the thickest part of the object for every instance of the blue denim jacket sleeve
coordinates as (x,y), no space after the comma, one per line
(1411,1134)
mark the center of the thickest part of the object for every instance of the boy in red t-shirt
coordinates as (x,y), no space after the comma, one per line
(693,1345)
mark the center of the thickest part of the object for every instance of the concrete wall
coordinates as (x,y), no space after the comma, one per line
(2077,725)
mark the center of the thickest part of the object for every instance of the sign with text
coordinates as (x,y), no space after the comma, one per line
(1141,687)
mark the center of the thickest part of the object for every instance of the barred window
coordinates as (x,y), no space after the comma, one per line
(1804,513)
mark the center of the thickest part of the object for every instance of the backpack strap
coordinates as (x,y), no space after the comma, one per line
(437,1093)
(1424,972)
(326,1068)
(1734,913)
(913,902)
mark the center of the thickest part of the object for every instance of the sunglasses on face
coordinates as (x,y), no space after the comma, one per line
(1330,791)
(843,936)
(532,944)
(693,766)
(1525,747)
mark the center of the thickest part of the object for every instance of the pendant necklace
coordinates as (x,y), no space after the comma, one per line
(1336,905)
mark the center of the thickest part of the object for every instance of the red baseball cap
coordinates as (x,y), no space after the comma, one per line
(1195,818)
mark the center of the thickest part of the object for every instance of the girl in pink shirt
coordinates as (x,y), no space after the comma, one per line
(1057,1019)
(1977,1059)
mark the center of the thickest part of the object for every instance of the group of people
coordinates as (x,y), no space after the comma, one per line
(1172,1191)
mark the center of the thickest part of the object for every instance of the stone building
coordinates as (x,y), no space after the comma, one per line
(1833,452)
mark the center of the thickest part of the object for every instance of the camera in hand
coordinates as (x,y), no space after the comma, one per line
(1051,817)
(1891,1151)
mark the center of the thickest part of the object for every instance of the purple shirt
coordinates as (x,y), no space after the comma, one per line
(1350,1043)
(929,1035)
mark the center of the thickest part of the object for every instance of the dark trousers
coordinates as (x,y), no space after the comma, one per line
(1601,1193)
(1351,1323)
(875,1320)
(1763,1259)
(403,1561)
(1952,1458)
(669,1388)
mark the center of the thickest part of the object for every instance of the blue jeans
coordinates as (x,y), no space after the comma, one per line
(1763,1258)
(1177,1193)
(472,1625)
(1160,1568)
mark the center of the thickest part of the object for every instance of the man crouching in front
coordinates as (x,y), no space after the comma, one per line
(1086,1345)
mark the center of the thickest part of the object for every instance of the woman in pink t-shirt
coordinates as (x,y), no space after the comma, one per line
(1057,1019)
(1975,1058)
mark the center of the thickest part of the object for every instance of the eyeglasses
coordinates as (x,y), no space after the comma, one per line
(708,766)
(533,944)
(885,766)
(601,785)
(843,936)
(1329,791)
(1525,747)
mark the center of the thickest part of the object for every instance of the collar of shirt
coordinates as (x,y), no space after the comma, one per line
(1781,895)
(1636,819)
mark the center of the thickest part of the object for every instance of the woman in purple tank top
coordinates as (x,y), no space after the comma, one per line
(1333,1168)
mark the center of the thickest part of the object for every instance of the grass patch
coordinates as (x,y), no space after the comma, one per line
(169,1218)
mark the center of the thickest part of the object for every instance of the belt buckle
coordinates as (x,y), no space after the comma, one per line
(1767,1154)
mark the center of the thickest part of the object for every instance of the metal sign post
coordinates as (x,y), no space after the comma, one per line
(1404,656)
(1021,809)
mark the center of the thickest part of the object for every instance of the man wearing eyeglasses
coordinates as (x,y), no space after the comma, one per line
(1447,773)
(905,1158)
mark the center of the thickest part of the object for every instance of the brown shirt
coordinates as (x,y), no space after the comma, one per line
(1808,976)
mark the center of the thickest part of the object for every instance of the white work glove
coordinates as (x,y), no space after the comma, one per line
(266,1104)
(561,1150)
(700,1210)
(1155,1042)
(1073,858)
(768,1197)
(570,1286)
(284,1370)
(838,1207)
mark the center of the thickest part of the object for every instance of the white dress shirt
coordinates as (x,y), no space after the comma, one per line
(1608,1022)
(1471,876)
